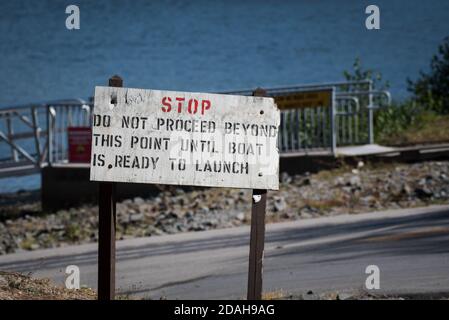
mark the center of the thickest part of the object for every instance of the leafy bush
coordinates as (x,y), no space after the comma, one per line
(358,73)
(432,89)
(394,119)
(410,123)
(390,120)
(411,120)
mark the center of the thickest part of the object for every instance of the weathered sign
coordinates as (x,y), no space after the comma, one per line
(304,99)
(184,138)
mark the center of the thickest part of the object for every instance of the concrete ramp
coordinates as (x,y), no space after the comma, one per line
(367,149)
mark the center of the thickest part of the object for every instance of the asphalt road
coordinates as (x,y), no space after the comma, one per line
(411,248)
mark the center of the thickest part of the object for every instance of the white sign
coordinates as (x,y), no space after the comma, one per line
(184,138)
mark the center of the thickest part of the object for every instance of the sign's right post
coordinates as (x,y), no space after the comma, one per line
(257,236)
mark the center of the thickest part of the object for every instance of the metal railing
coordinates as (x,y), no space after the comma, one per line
(21,133)
(306,129)
(348,120)
(35,135)
(60,116)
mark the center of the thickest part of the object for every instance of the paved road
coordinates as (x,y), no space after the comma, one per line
(411,248)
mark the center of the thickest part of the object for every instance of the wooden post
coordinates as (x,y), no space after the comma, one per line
(257,237)
(106,233)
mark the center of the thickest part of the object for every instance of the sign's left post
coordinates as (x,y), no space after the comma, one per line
(106,235)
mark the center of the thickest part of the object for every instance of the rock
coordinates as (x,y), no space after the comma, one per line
(157,200)
(204,209)
(344,296)
(306,215)
(339,181)
(406,189)
(279,204)
(305,182)
(173,215)
(3,282)
(197,227)
(127,201)
(143,208)
(7,242)
(152,230)
(355,181)
(422,182)
(138,200)
(240,216)
(137,217)
(288,215)
(285,177)
(367,201)
(179,191)
(423,193)
(210,223)
(395,205)
(181,227)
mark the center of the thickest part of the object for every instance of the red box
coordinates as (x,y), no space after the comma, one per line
(80,144)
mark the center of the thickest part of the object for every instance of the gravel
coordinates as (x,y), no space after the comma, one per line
(16,286)
(344,190)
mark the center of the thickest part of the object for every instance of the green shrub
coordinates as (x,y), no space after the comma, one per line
(411,120)
(432,89)
(358,74)
(395,118)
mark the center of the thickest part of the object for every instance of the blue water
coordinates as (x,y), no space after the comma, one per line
(206,46)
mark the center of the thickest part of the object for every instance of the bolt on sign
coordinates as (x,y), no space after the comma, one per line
(304,99)
(185,138)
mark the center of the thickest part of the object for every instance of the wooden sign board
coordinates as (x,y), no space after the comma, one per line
(304,99)
(184,138)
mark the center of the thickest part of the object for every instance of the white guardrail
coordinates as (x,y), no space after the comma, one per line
(35,135)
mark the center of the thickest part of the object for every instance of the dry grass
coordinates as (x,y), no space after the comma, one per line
(436,130)
(16,286)
(359,294)
(431,129)
(274,295)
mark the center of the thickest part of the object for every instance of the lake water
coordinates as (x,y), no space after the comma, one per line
(206,46)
